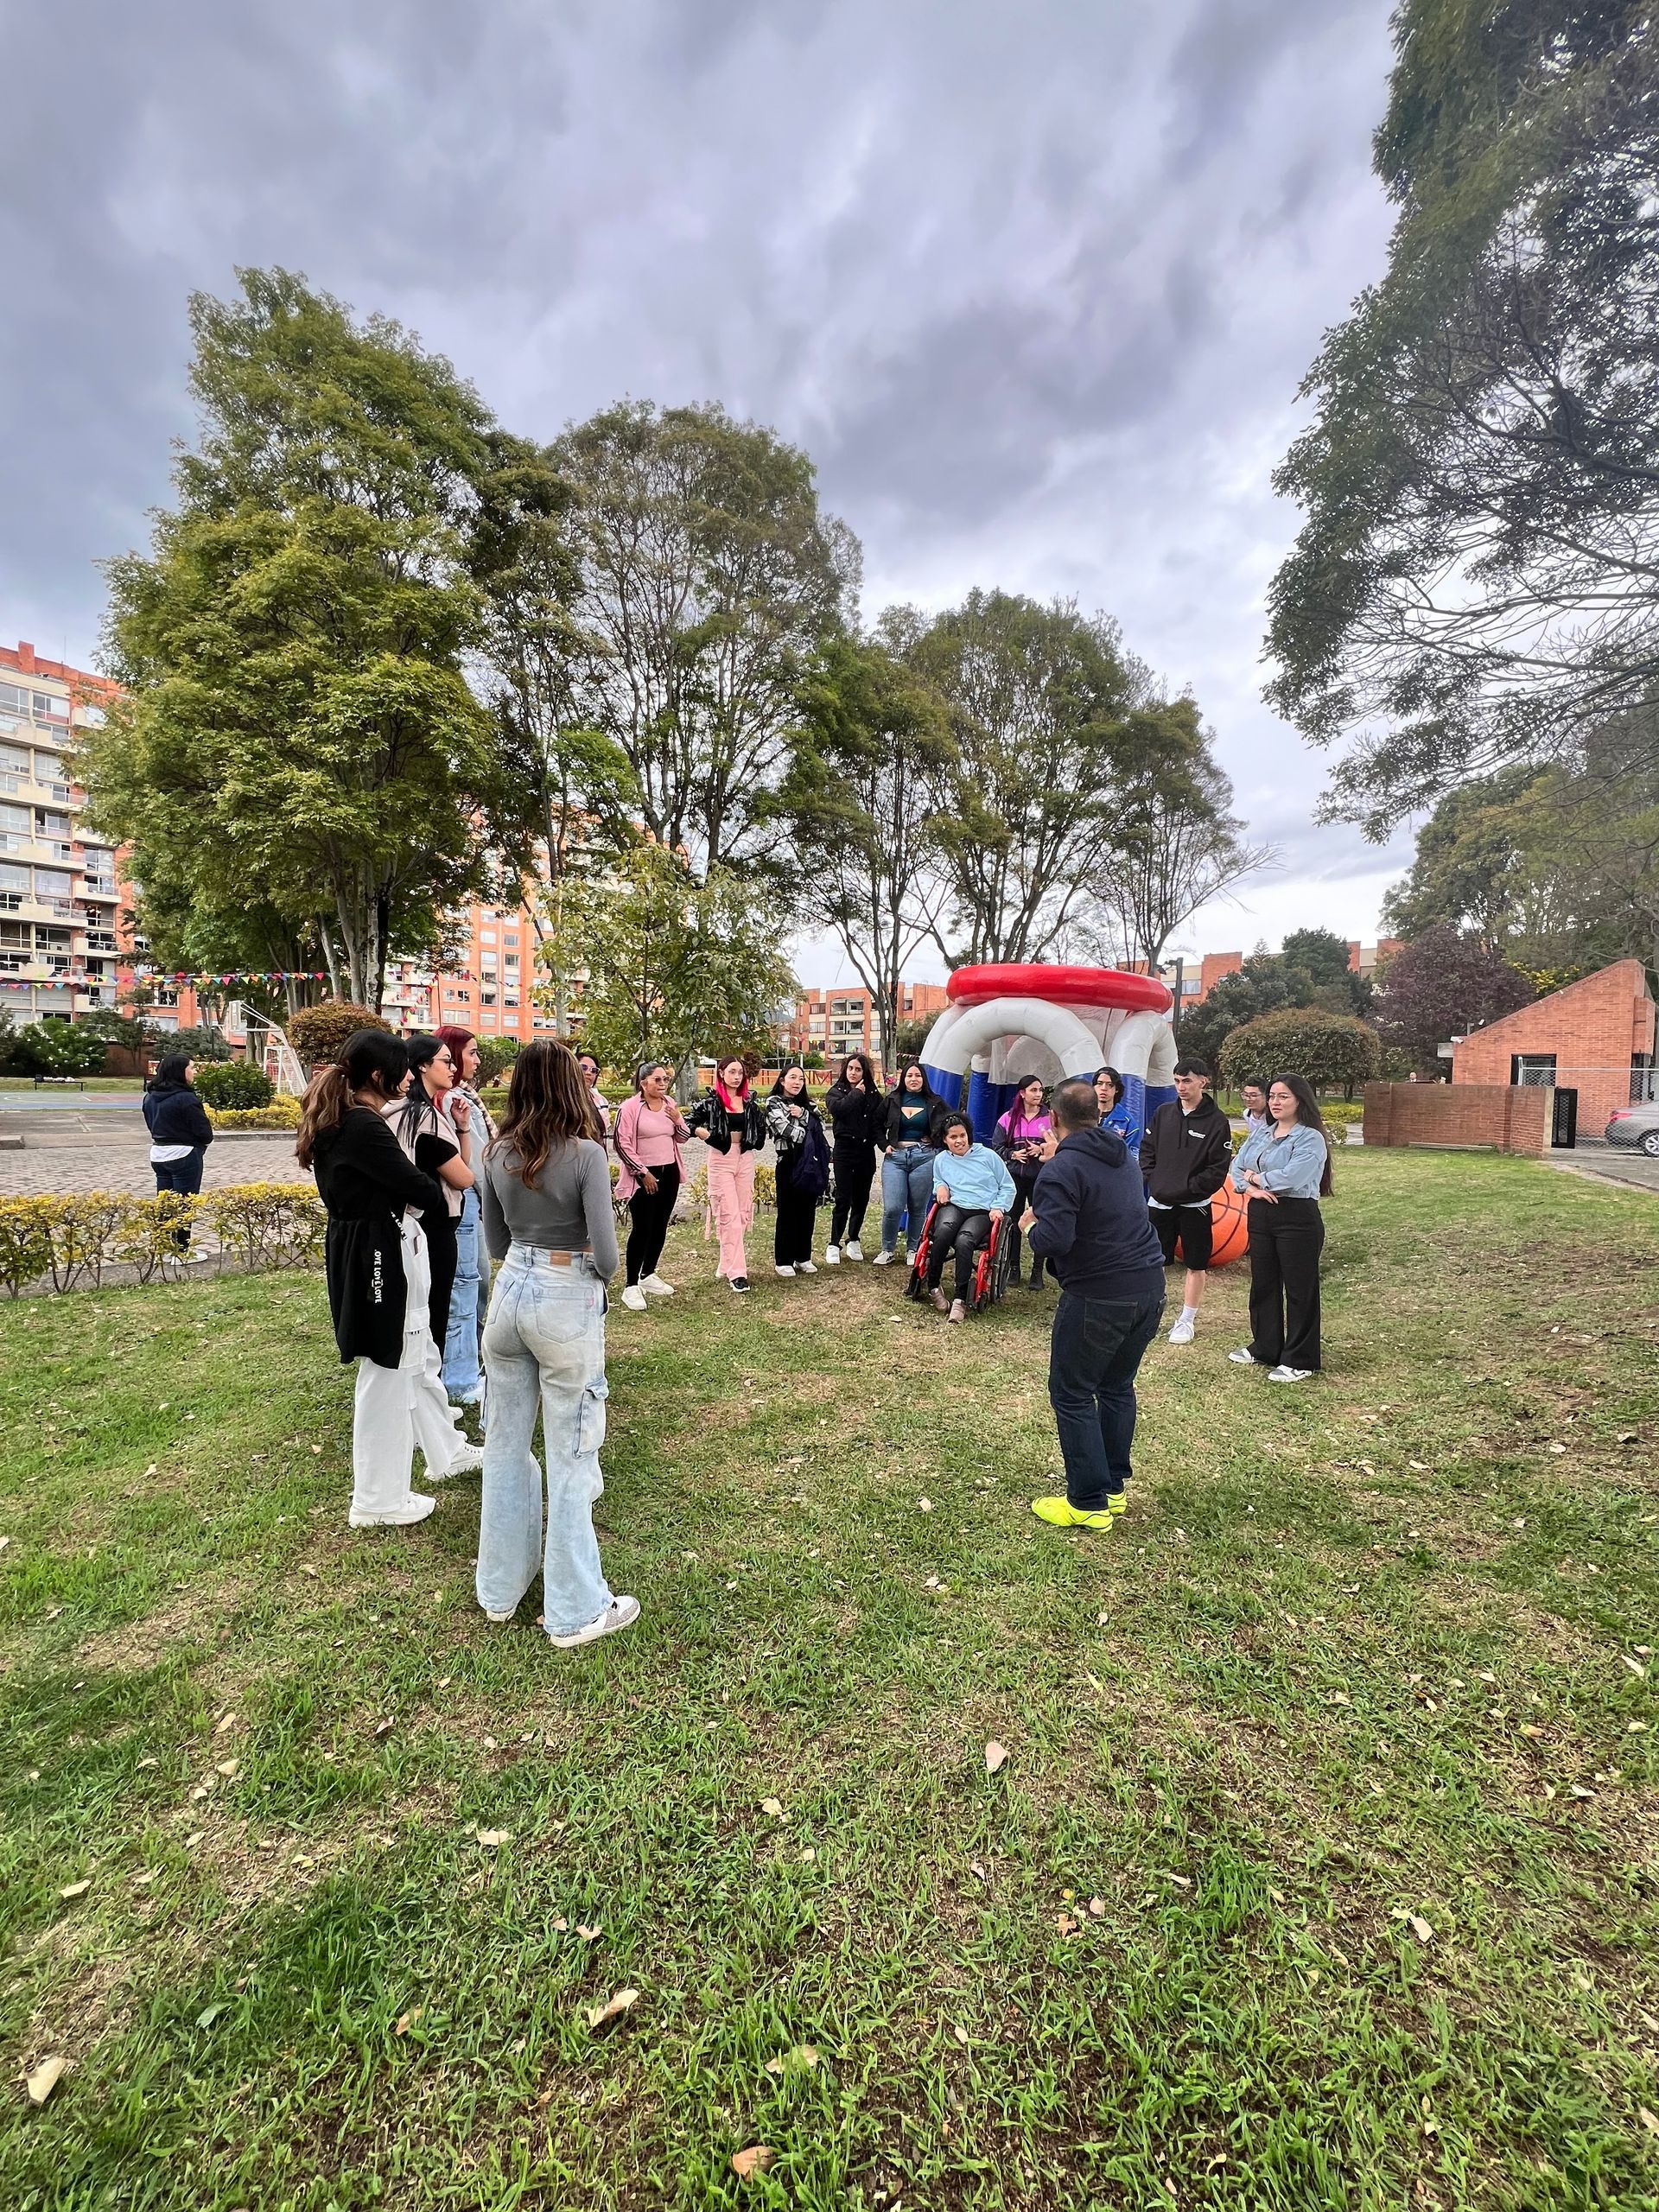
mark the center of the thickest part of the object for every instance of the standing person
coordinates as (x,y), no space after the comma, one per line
(601,1104)
(857,1111)
(179,1132)
(912,1131)
(1185,1157)
(1284,1170)
(375,1254)
(973,1190)
(650,1131)
(802,1170)
(1088,1220)
(1113,1094)
(1253,1100)
(730,1117)
(552,1228)
(469,1296)
(1018,1140)
(422,1123)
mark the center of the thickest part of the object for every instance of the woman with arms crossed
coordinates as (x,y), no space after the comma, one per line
(549,1224)
(802,1170)
(857,1111)
(650,1131)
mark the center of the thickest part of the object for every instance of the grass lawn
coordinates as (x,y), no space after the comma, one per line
(1321,1871)
(27,1084)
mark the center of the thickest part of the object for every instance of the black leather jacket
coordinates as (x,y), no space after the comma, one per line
(710,1119)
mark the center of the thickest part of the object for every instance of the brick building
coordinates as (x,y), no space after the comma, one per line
(843,1020)
(1595,1037)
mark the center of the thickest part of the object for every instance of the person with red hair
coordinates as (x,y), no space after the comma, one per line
(732,1119)
(469,1299)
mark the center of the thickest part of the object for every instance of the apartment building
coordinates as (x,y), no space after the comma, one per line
(60,899)
(842,1019)
(485,986)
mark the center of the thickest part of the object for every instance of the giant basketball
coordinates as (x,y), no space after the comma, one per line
(1228,1226)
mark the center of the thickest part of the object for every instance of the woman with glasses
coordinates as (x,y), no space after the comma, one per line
(649,1136)
(432,1130)
(469,1296)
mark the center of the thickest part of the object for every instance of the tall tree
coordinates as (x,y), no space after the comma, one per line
(297,733)
(1177,843)
(706,578)
(860,801)
(1477,577)
(1045,748)
(1441,986)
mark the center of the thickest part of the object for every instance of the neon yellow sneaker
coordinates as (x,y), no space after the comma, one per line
(1117,1501)
(1060,1513)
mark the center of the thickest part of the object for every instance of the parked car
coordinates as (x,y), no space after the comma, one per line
(1638,1126)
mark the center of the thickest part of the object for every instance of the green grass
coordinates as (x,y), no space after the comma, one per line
(25,1083)
(1353,1656)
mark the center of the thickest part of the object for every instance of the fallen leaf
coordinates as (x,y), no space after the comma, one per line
(491,1839)
(383,1728)
(405,2021)
(755,2160)
(1066,1925)
(1417,1466)
(228,1768)
(202,1789)
(1558,1448)
(1530,1728)
(996,1756)
(588,1935)
(307,1569)
(45,2078)
(1634,1665)
(772,1808)
(75,1889)
(1419,1928)
(961,2034)
(926,1505)
(229,1721)
(1097,1907)
(614,2008)
(802,2059)
(317,1450)
(1649,2120)
(209,2013)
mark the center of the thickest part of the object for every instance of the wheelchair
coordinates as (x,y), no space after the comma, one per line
(990,1276)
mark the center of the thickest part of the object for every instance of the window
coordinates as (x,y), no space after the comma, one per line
(49,708)
(486,936)
(13,699)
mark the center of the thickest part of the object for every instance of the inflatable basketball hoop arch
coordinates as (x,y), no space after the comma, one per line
(1007,1022)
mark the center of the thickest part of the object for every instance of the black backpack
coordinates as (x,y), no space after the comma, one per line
(806,1170)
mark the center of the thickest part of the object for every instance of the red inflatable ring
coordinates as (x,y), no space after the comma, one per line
(1094,987)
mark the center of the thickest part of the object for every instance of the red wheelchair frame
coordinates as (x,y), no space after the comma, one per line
(990,1278)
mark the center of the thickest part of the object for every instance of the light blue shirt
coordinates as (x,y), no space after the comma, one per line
(976,1182)
(1290,1165)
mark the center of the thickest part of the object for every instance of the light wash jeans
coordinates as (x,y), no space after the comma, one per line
(544,1346)
(469,1303)
(906,1187)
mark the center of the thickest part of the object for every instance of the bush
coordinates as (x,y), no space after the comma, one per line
(202,1043)
(496,1056)
(281,1113)
(53,1048)
(495,1101)
(317,1033)
(234,1083)
(70,1241)
(1325,1048)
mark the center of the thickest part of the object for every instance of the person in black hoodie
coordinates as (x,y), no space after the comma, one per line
(1185,1157)
(1088,1219)
(179,1132)
(380,1280)
(857,1110)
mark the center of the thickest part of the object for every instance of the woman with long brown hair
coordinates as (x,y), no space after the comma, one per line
(380,1280)
(549,1223)
(1284,1169)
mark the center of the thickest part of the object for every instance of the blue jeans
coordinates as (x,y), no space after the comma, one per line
(469,1302)
(1095,1351)
(543,1347)
(906,1187)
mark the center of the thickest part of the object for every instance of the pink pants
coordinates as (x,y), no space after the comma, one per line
(731,1202)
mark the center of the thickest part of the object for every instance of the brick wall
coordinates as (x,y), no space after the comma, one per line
(1513,1117)
(1593,1027)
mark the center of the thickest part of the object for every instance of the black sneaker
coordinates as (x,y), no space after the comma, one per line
(740,1284)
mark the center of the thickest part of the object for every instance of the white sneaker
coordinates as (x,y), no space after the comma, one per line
(654,1284)
(1291,1374)
(855,1250)
(884,1259)
(832,1257)
(501,1620)
(467,1461)
(1244,1358)
(1183,1331)
(634,1299)
(621,1612)
(784,1271)
(806,1267)
(416,1508)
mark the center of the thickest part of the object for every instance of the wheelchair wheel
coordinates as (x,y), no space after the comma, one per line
(991,1267)
(916,1285)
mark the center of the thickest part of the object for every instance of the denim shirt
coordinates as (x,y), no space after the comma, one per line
(1290,1165)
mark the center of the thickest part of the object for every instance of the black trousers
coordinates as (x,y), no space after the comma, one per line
(649,1215)
(184,1176)
(439,1230)
(791,1241)
(1286,1241)
(956,1230)
(1023,1187)
(854,1167)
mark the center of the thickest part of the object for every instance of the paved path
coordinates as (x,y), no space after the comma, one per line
(1609,1164)
(72,1163)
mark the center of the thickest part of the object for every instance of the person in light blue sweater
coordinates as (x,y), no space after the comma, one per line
(1284,1170)
(973,1190)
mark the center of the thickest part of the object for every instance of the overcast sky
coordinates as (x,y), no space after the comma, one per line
(1033,284)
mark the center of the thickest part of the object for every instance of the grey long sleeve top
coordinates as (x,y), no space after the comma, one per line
(569,1209)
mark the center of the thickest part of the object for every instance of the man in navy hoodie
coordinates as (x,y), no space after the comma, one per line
(1088,1219)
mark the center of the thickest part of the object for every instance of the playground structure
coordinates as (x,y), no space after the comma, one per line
(1007,1022)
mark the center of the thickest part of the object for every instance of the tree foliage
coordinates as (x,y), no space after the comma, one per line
(1328,1049)
(297,739)
(317,1033)
(1476,580)
(1442,985)
(1311,971)
(673,963)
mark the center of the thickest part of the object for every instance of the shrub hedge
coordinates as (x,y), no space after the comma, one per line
(280,1114)
(68,1241)
(234,1083)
